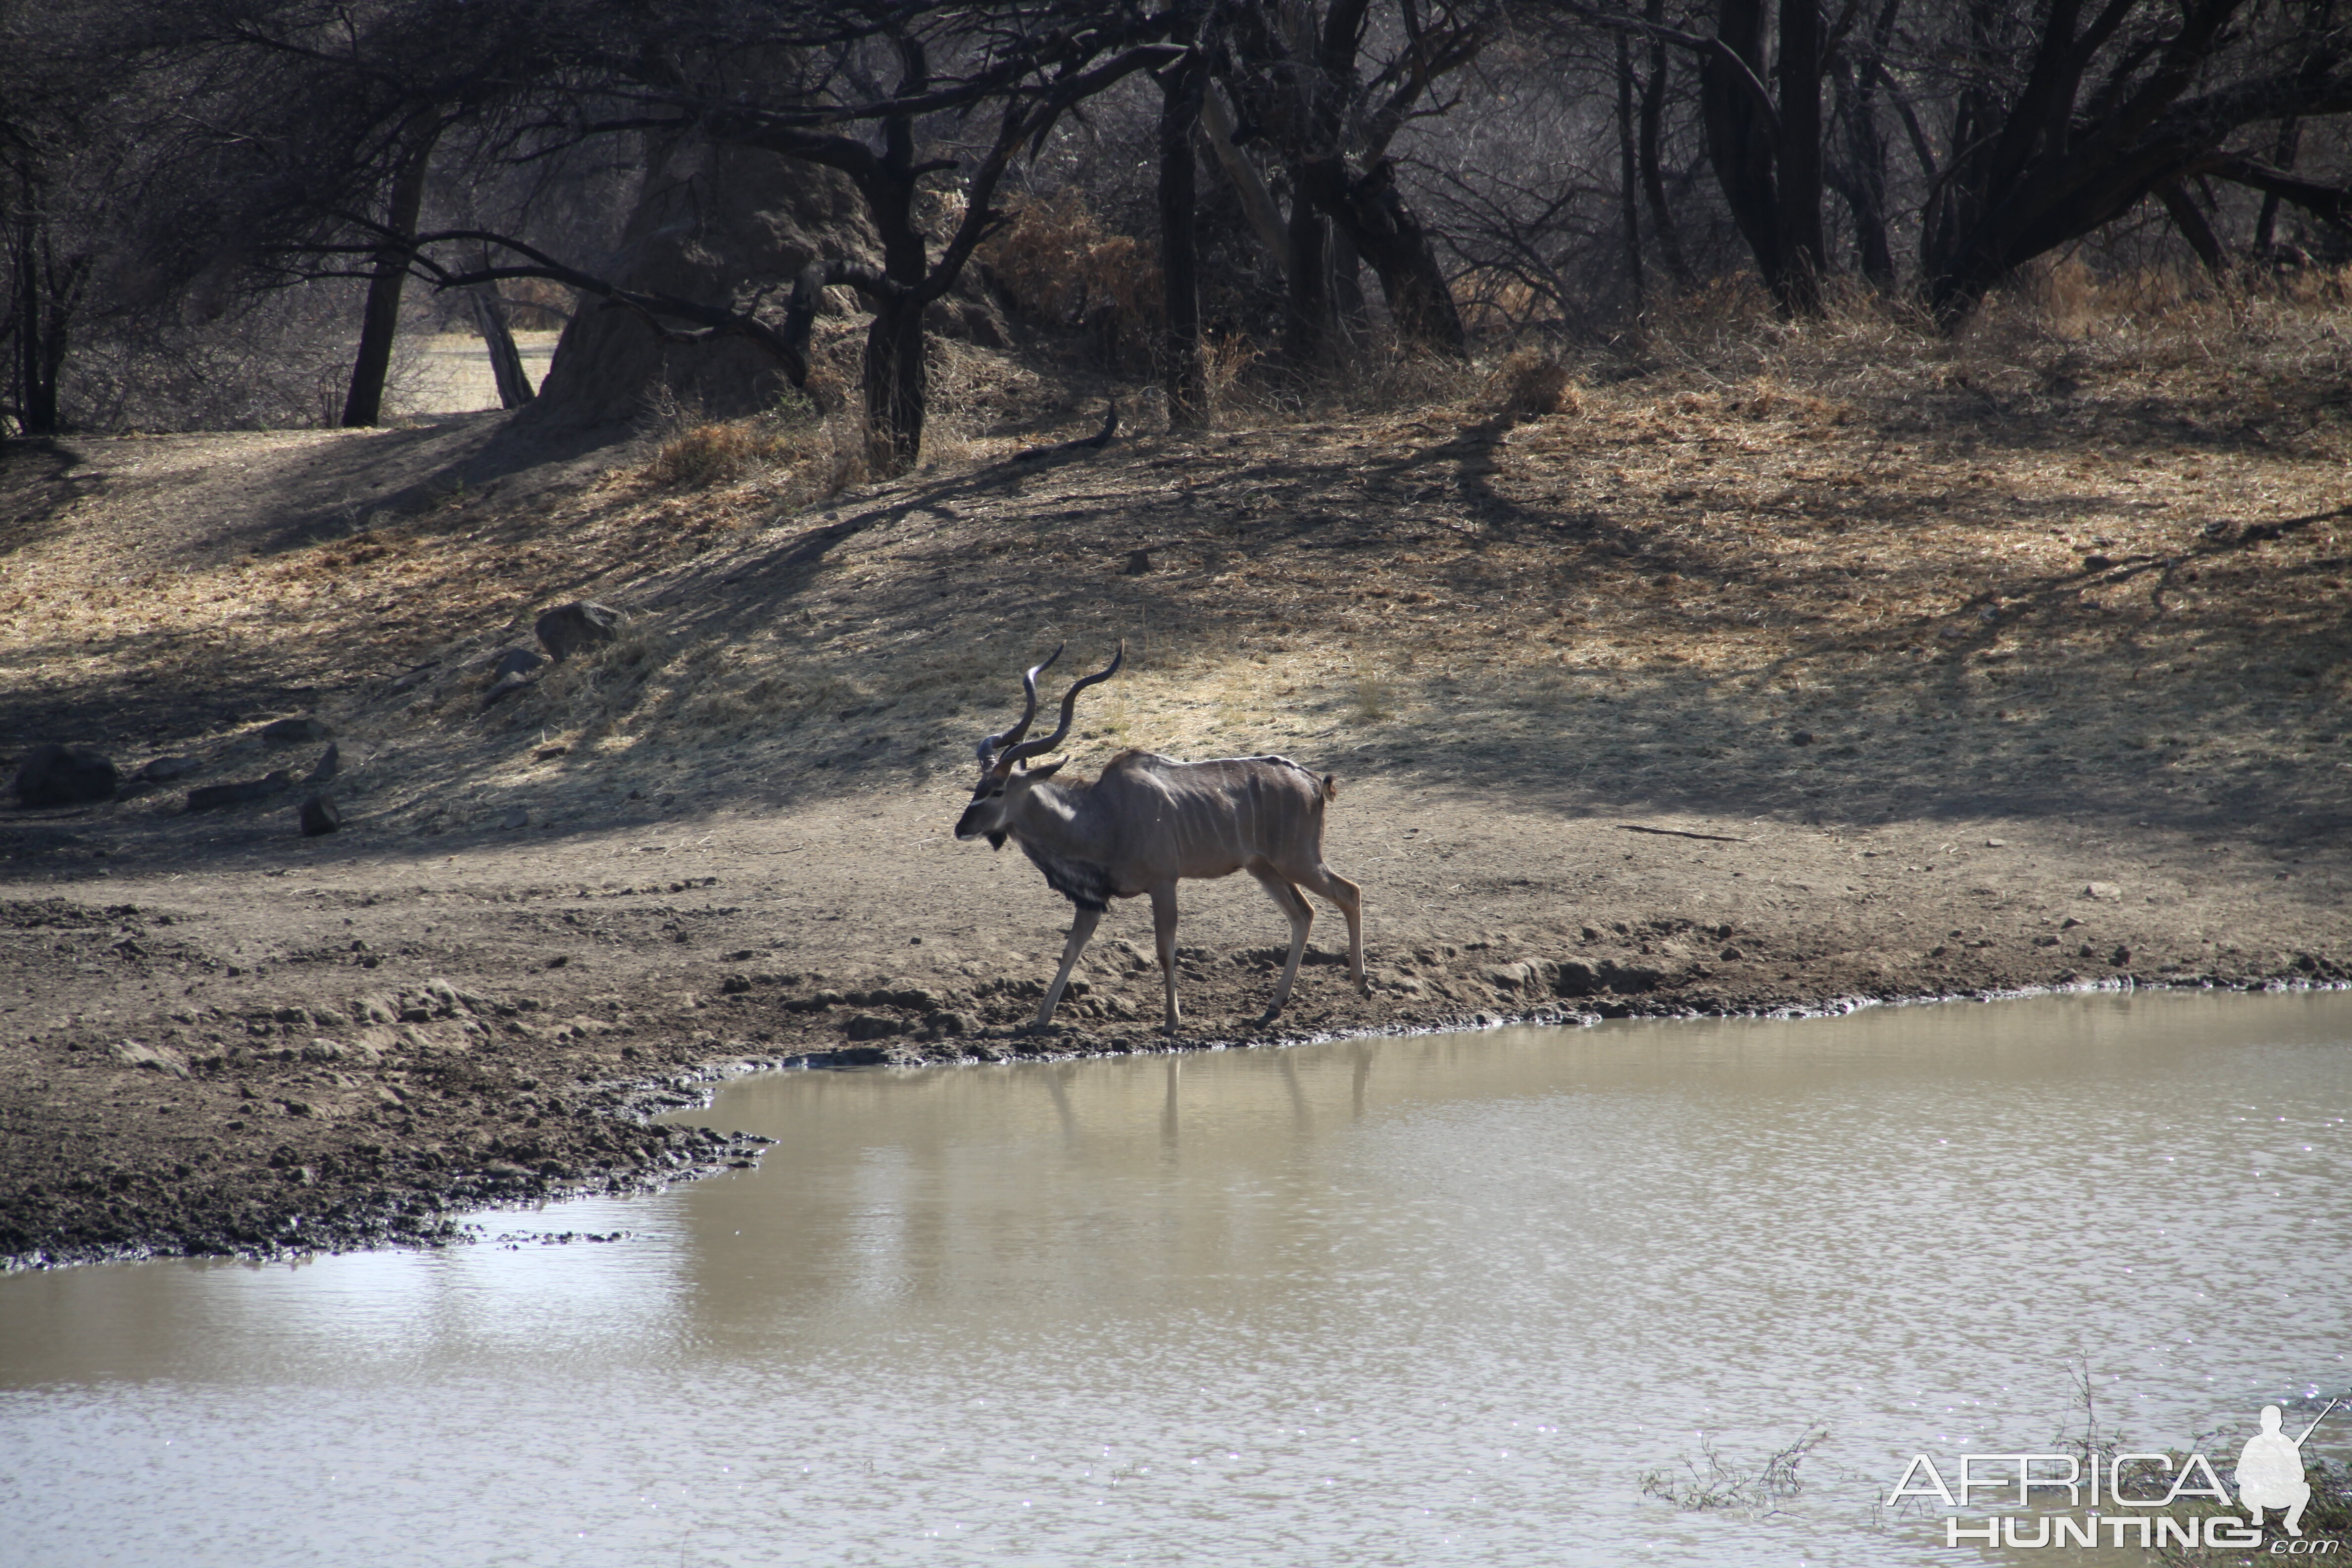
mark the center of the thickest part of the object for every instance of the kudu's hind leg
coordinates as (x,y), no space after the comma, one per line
(1326,883)
(1302,921)
(1082,927)
(1163,937)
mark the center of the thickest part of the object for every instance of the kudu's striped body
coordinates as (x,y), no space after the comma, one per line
(1150,822)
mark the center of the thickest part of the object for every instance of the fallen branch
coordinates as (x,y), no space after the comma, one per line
(1678,833)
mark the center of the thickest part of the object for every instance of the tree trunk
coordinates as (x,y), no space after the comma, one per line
(1629,201)
(1183,374)
(45,294)
(1799,157)
(2181,207)
(1306,324)
(36,397)
(895,386)
(1257,202)
(1739,139)
(1863,182)
(2283,156)
(506,360)
(381,320)
(1349,307)
(1653,179)
(895,376)
(1388,234)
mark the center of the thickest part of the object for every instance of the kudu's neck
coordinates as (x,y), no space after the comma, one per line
(1055,831)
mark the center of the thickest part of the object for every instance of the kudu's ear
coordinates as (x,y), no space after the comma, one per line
(1038,776)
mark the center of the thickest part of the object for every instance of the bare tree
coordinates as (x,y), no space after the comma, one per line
(1301,74)
(2066,120)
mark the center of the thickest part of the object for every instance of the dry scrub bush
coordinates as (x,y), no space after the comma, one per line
(1059,264)
(705,455)
(1392,379)
(1530,383)
(1223,359)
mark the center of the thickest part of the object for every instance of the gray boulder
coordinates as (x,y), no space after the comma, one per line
(64,775)
(569,628)
(506,685)
(165,769)
(318,816)
(515,661)
(295,731)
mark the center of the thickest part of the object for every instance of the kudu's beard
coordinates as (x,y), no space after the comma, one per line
(996,840)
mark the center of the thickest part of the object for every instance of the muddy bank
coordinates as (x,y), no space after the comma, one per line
(289,1046)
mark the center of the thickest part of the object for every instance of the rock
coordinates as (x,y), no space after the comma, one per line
(1731,955)
(2121,956)
(211,797)
(331,762)
(445,997)
(1996,843)
(735,984)
(1802,738)
(871,1026)
(925,1001)
(518,817)
(295,731)
(506,685)
(2102,890)
(515,661)
(713,221)
(1139,562)
(154,1058)
(952,1024)
(1508,976)
(328,1018)
(164,769)
(322,1050)
(318,816)
(1578,978)
(568,628)
(376,1007)
(52,774)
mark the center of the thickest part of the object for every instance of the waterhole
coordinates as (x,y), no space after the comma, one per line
(1446,1299)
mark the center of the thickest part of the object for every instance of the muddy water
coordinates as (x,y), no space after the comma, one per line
(1425,1301)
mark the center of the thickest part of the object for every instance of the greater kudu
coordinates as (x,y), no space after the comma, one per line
(1150,822)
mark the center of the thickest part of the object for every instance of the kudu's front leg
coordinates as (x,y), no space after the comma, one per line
(1082,927)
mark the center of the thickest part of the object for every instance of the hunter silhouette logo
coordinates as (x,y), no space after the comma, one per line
(2270,1471)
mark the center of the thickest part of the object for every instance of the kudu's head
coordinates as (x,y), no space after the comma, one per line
(1005,779)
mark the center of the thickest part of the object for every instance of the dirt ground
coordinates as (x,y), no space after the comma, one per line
(1763,669)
